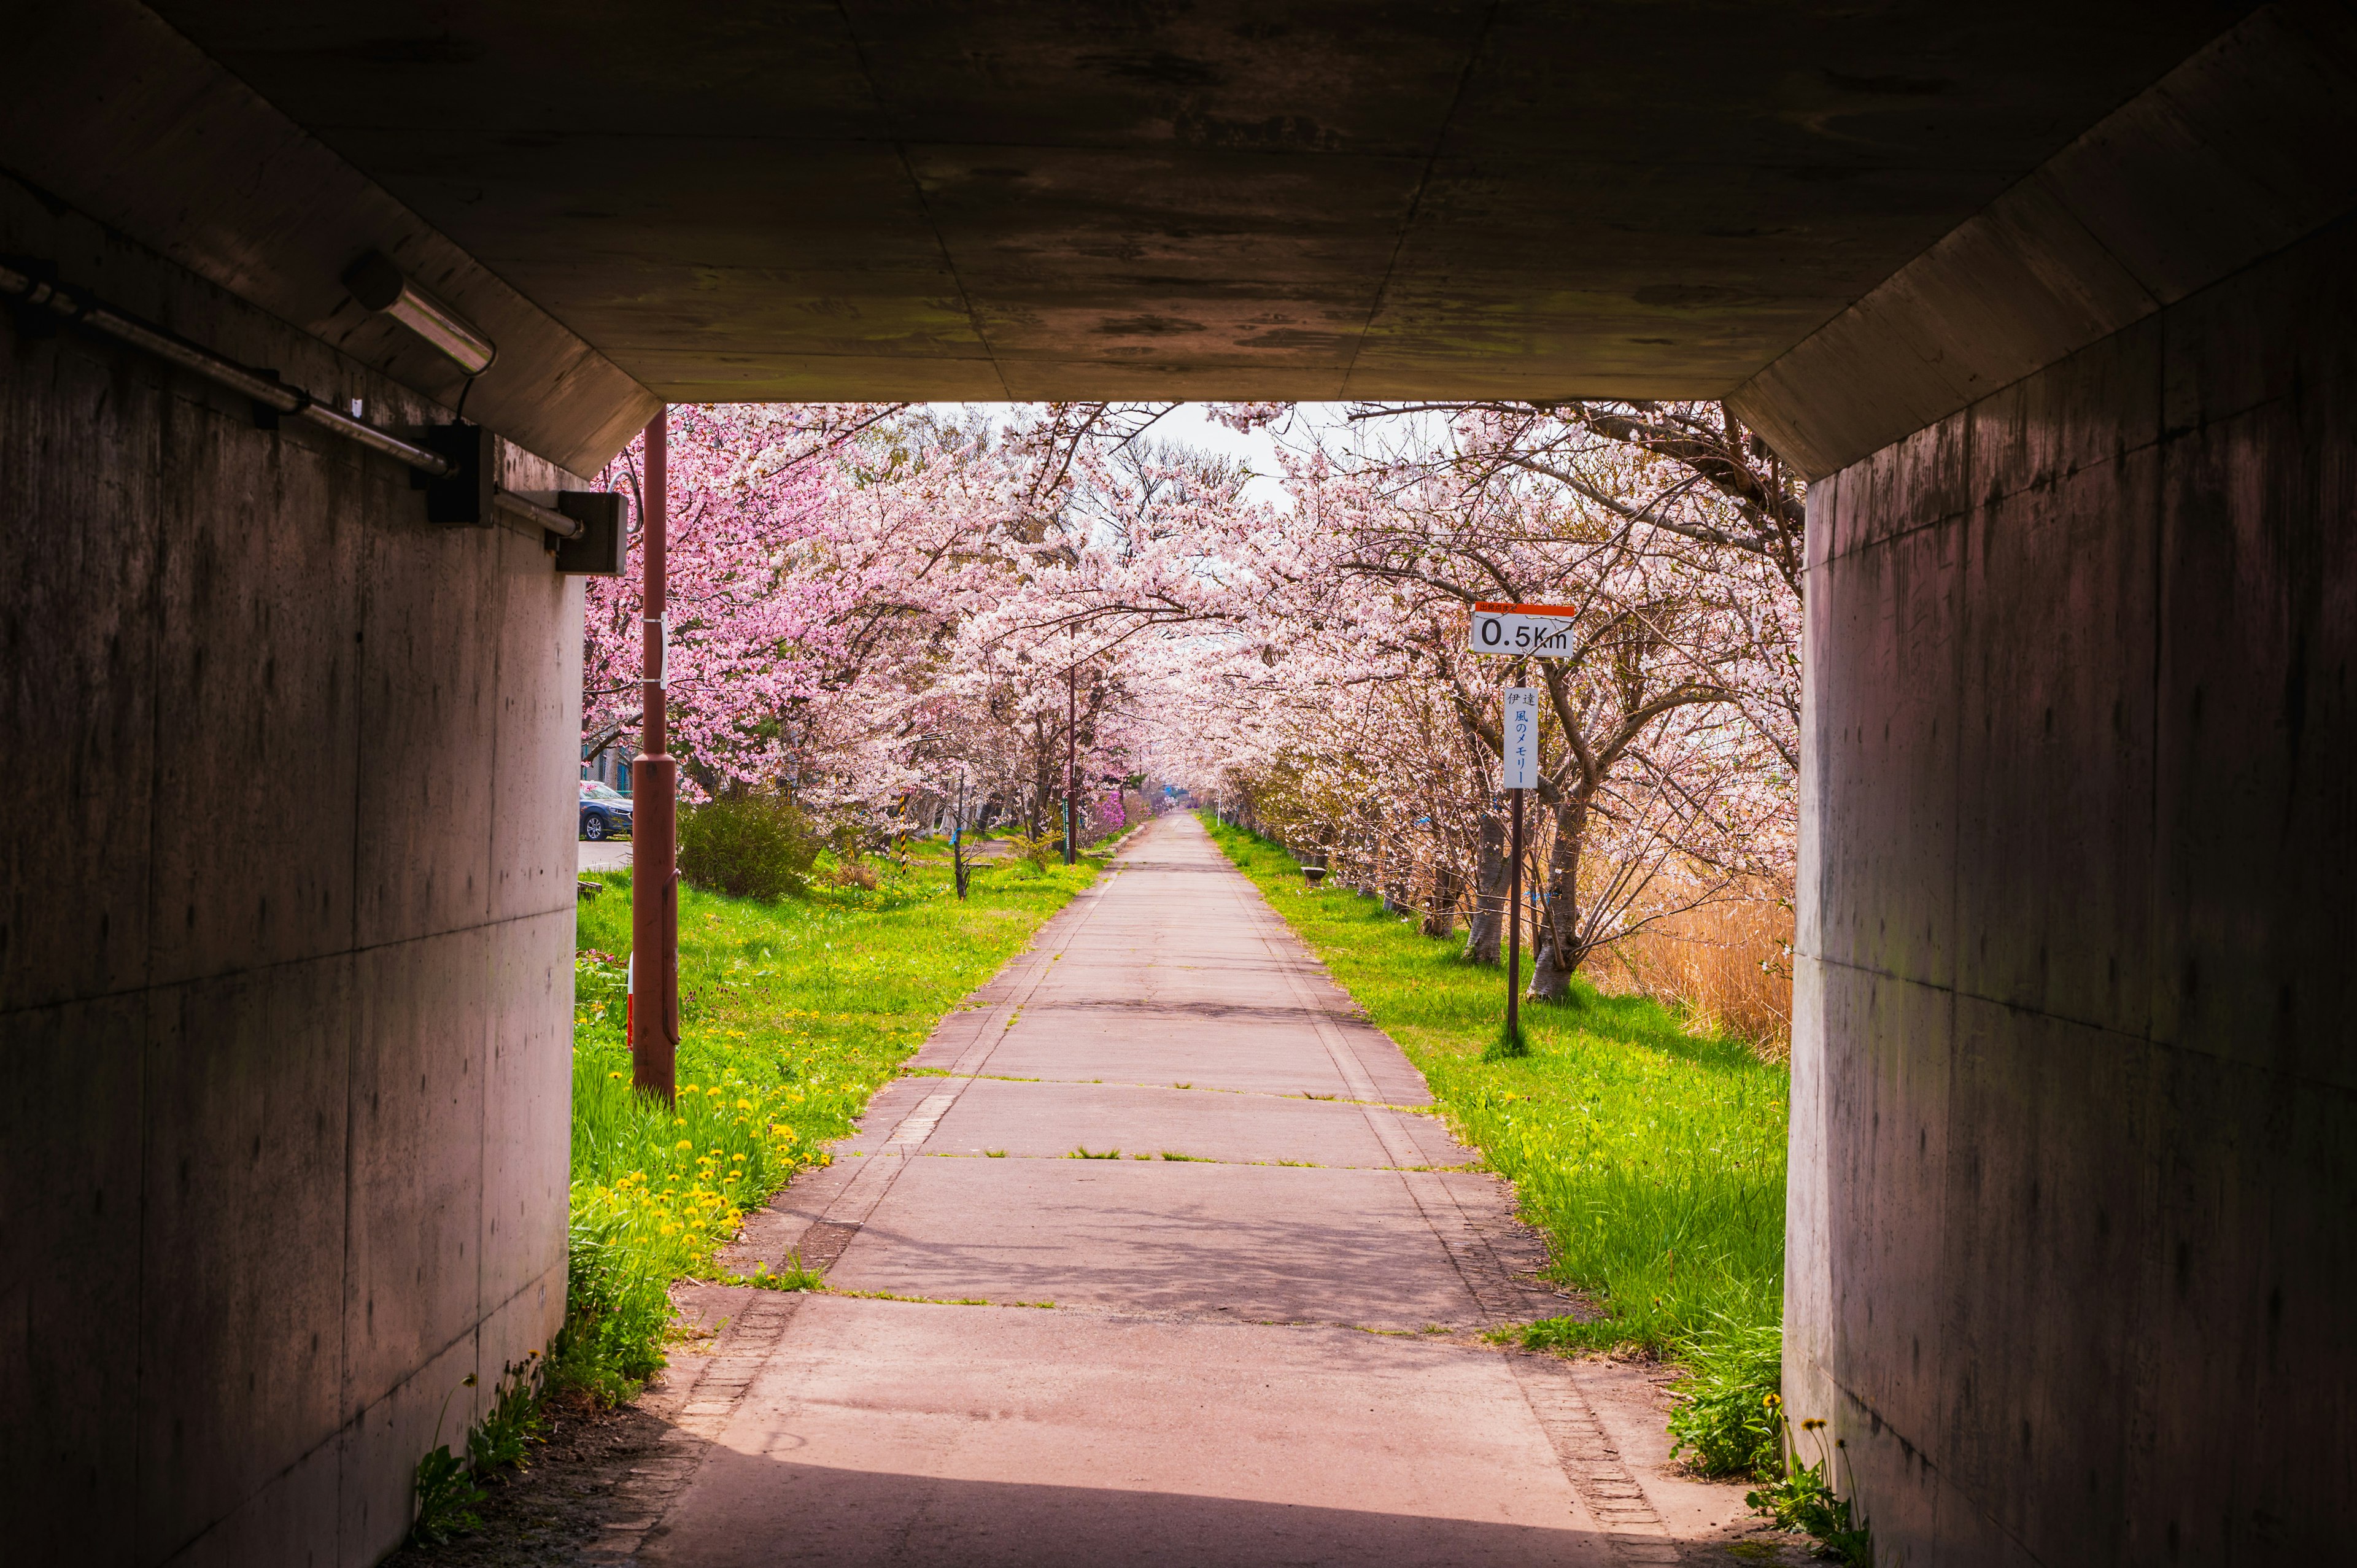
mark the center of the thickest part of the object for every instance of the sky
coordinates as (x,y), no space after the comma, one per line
(1191,425)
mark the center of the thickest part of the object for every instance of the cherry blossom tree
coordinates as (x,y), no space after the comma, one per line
(820,561)
(833,573)
(1340,623)
(892,611)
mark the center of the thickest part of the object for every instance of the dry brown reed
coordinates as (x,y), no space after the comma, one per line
(1727,967)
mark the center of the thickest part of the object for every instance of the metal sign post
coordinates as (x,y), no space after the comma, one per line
(1540,631)
(1519,758)
(1514,927)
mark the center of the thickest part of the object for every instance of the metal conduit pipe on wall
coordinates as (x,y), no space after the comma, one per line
(82,310)
(70,307)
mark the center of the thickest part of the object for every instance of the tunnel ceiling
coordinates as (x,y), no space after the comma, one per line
(932,199)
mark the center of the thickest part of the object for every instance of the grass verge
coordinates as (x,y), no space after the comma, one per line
(1653,1157)
(792,1014)
(793,1010)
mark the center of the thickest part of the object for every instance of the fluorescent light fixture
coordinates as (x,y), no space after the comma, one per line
(378,285)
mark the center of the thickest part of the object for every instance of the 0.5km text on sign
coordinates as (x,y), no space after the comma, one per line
(1544,631)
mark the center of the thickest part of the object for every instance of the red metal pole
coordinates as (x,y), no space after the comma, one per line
(1514,929)
(654,882)
(1072,764)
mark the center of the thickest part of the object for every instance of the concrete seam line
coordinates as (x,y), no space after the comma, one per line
(1486,1278)
(1292,960)
(279,965)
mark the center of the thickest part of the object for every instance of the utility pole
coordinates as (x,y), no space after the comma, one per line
(654,881)
(1072,762)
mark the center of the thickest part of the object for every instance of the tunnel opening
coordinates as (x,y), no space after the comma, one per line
(2051,310)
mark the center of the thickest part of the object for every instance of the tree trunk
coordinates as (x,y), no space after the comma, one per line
(1485,931)
(1560,950)
(1383,875)
(1399,883)
(1440,910)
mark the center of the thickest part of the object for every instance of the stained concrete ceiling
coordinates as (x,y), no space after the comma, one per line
(935,199)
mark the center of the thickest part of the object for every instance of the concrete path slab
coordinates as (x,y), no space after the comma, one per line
(891,1434)
(1248,1243)
(1110,1046)
(1054,1119)
(1268,1353)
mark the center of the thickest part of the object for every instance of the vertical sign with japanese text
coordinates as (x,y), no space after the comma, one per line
(1520,751)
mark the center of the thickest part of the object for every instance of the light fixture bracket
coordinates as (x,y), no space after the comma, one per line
(380,285)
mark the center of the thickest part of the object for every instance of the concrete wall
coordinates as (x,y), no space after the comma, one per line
(285,928)
(2075,1180)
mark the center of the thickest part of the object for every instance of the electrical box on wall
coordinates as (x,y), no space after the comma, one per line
(598,551)
(463,496)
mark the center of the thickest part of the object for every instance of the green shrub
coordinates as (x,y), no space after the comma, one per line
(1804,1499)
(1039,850)
(616,1308)
(750,846)
(445,1488)
(1729,1415)
(444,1495)
(504,1438)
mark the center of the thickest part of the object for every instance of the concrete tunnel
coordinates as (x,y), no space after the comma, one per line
(2052,303)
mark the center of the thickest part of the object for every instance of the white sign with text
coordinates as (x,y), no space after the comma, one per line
(1520,733)
(1544,631)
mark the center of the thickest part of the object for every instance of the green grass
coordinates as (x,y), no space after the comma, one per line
(792,1014)
(1653,1158)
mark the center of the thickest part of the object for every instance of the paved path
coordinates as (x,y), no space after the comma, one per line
(1267,1351)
